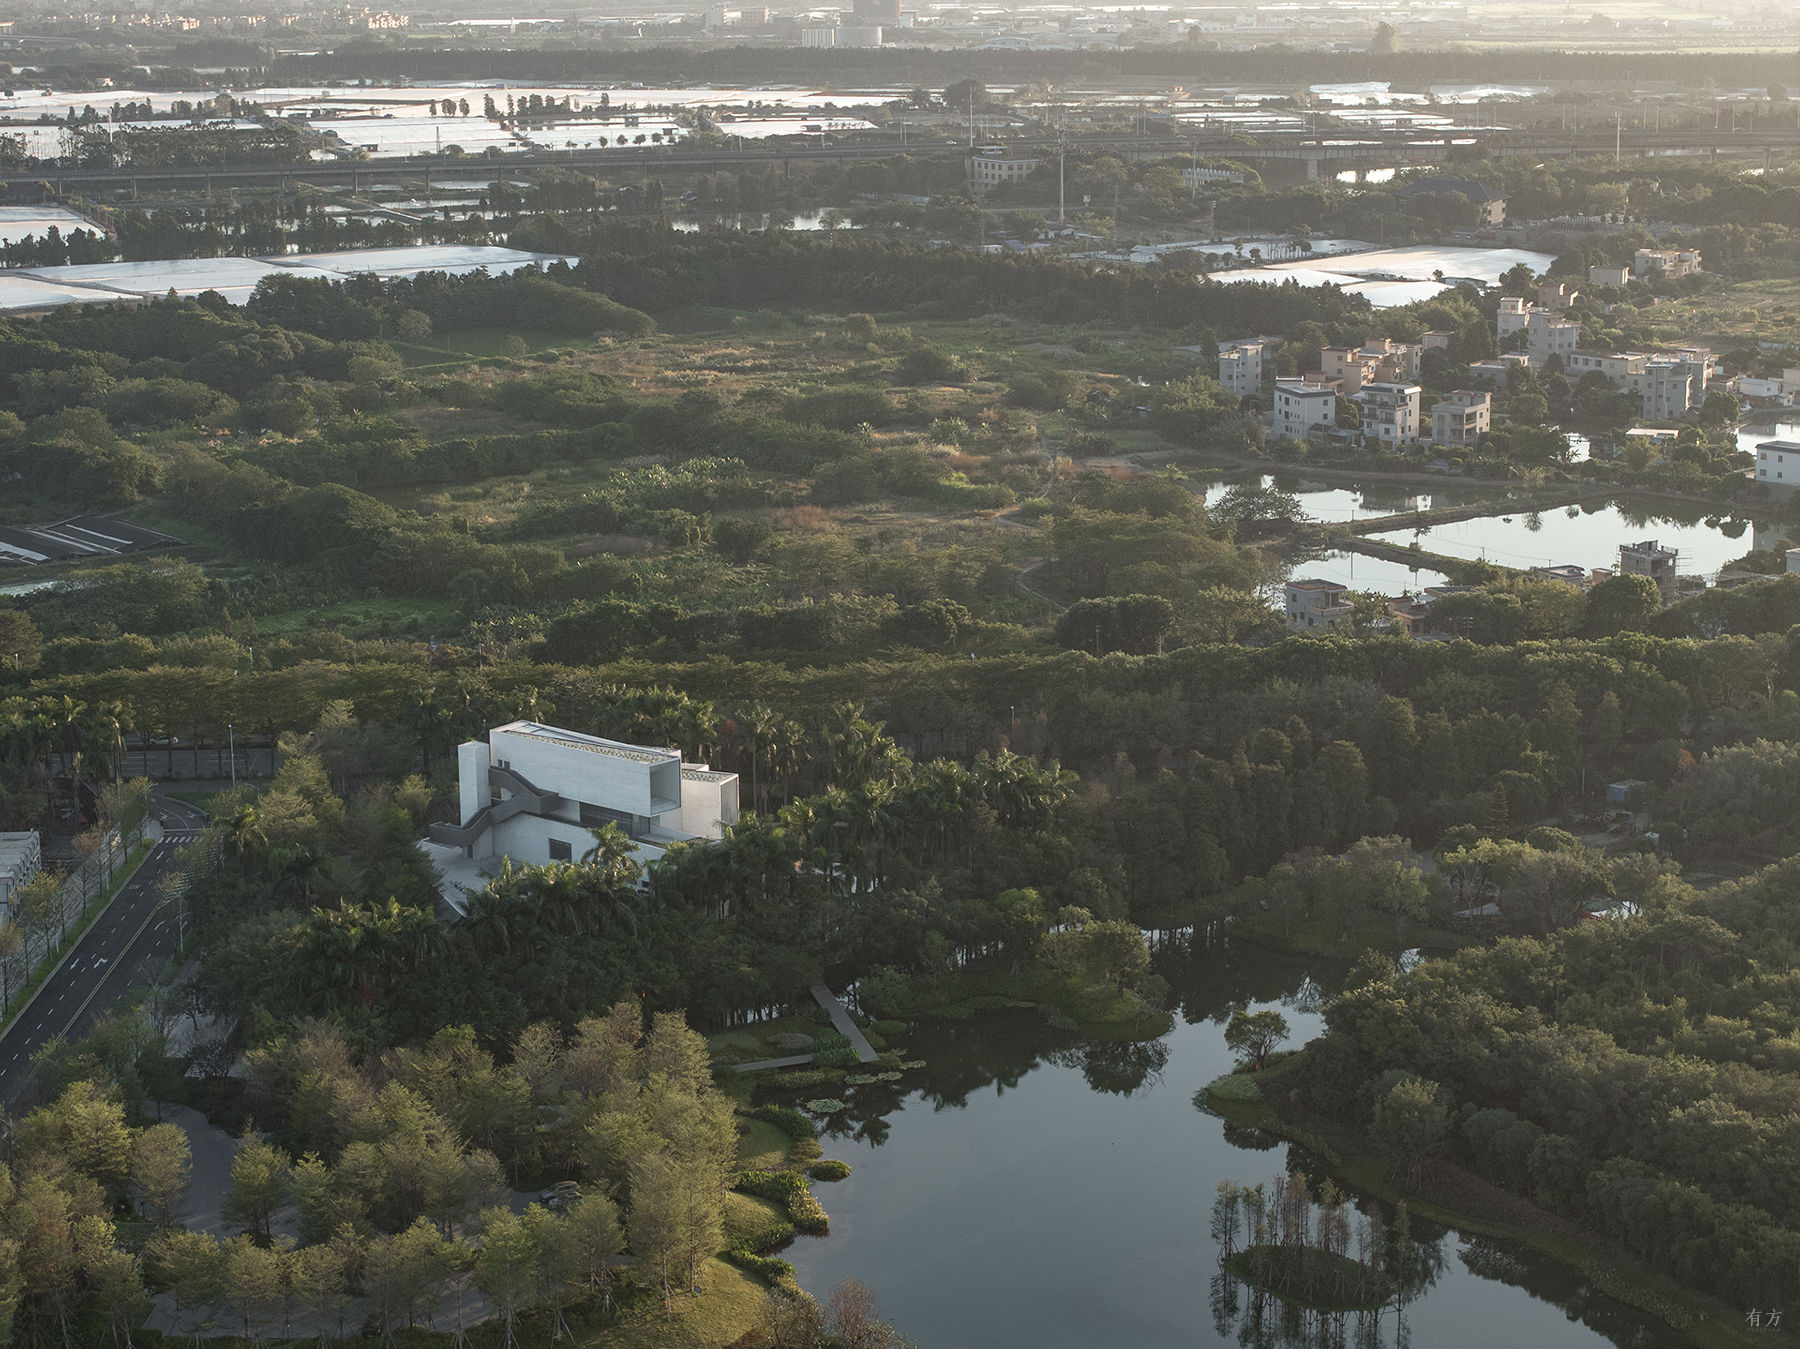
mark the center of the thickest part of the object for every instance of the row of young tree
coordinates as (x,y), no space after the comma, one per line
(379,1199)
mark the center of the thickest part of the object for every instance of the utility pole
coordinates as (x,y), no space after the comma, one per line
(1062,150)
(1618,135)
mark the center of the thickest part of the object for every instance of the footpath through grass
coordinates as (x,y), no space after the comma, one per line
(95,907)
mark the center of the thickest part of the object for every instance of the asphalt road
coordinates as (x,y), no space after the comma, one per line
(128,944)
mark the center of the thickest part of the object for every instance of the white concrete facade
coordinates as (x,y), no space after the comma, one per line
(1772,468)
(1241,367)
(534,794)
(1671,262)
(1315,604)
(1462,418)
(990,171)
(1301,407)
(1390,413)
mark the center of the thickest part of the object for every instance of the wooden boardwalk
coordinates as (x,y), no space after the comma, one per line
(865,1053)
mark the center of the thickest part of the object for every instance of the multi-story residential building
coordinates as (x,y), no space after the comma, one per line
(1515,313)
(533,793)
(1299,407)
(1378,360)
(1390,413)
(1650,559)
(1241,366)
(1671,262)
(1314,604)
(1547,335)
(987,171)
(1462,418)
(1668,385)
(1558,295)
(1497,370)
(1772,470)
(1546,332)
(1608,276)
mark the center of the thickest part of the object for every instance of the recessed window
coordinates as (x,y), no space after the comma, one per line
(561,851)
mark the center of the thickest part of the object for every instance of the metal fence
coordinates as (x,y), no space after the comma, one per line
(45,935)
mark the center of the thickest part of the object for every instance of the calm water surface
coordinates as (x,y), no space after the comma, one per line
(1030,1188)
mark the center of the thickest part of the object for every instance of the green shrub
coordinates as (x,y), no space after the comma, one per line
(888,1027)
(1235,1087)
(775,1186)
(807,1213)
(832,1050)
(830,1169)
(791,1188)
(771,1236)
(769,1268)
(1034,508)
(806,1150)
(787,1119)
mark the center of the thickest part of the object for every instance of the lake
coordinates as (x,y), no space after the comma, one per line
(1031,1188)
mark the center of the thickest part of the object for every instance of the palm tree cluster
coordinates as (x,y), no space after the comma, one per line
(885,817)
(49,744)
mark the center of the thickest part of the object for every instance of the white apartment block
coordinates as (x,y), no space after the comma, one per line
(1301,407)
(1772,467)
(1667,385)
(1546,332)
(1608,276)
(1390,413)
(534,793)
(990,171)
(1671,262)
(1314,604)
(1462,418)
(1547,335)
(1241,367)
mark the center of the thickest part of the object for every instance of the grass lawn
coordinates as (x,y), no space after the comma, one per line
(764,1148)
(730,1306)
(747,1044)
(746,1216)
(207,801)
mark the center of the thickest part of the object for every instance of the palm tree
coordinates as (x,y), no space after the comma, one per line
(244,837)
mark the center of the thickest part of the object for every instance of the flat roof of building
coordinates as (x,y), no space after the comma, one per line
(1315,584)
(593,744)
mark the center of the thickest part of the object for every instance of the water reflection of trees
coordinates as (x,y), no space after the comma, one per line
(1402,1255)
(1557,1283)
(1209,980)
(1119,1068)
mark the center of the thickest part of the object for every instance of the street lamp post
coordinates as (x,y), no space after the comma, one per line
(231,737)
